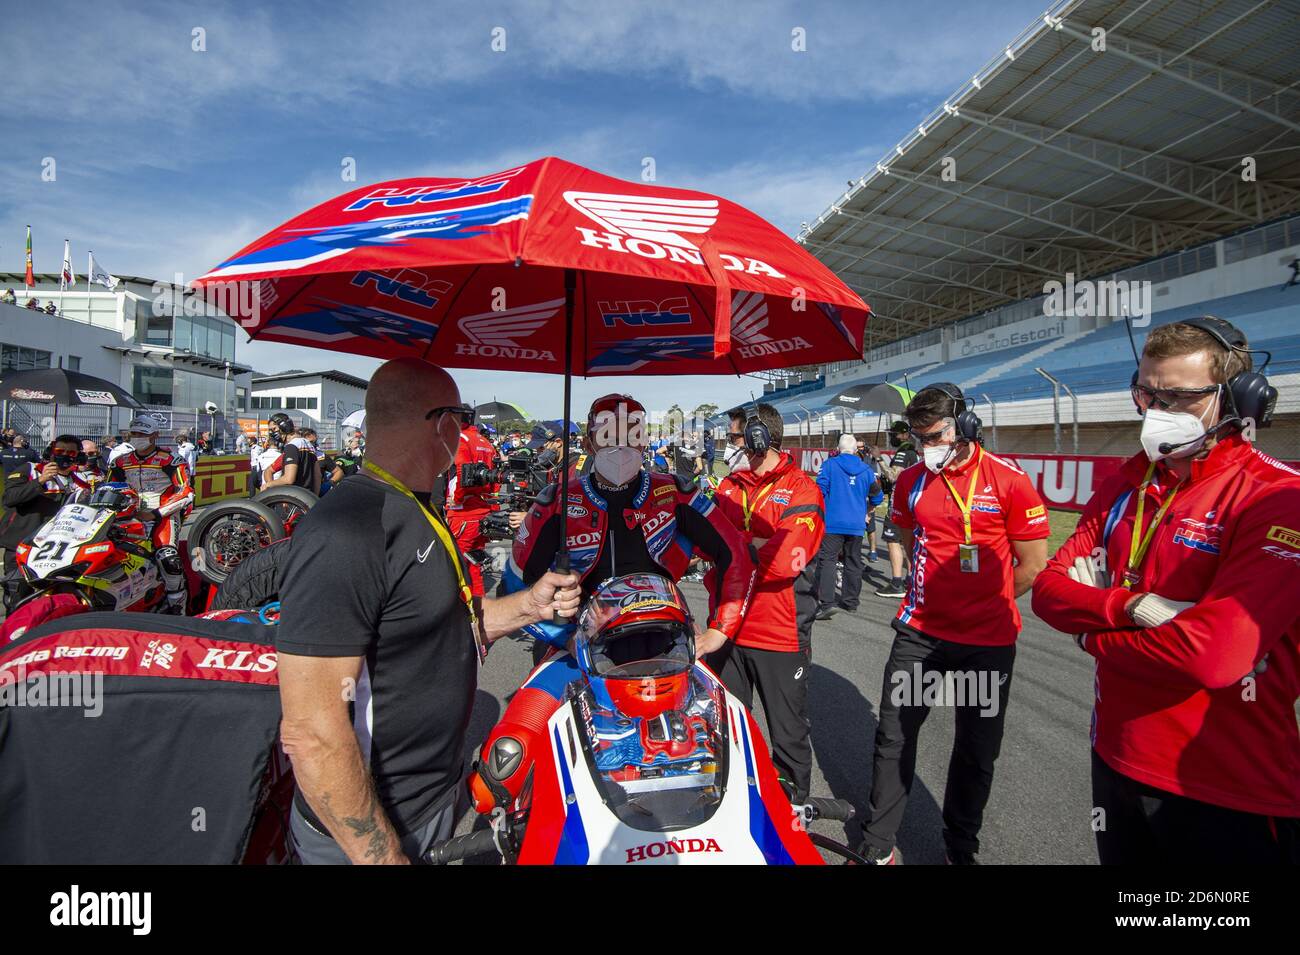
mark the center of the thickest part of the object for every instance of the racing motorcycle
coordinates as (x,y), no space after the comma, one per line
(629,751)
(97,555)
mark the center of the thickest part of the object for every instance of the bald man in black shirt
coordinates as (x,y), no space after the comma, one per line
(377,649)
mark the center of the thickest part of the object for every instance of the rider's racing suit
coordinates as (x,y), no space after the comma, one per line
(677,521)
(163,482)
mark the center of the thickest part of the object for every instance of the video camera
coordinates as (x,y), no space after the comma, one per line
(520,479)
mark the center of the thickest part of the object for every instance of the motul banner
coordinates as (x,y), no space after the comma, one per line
(1066,481)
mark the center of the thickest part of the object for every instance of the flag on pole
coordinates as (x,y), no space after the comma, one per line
(31,279)
(99,276)
(68,277)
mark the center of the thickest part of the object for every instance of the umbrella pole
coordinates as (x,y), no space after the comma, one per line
(570,284)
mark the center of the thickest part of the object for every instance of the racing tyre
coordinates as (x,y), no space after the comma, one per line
(255,582)
(228,533)
(289,504)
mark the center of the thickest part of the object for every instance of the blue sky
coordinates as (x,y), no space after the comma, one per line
(170,159)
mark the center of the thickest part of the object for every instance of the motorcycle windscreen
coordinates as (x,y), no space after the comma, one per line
(660,771)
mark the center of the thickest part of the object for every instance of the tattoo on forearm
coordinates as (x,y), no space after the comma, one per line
(369,826)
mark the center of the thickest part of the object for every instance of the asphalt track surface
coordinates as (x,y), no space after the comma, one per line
(1039,811)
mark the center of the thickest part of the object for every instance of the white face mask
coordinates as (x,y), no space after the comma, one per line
(735,459)
(617,465)
(937,456)
(1173,427)
(450,449)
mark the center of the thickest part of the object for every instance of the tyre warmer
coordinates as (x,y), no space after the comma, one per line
(162,748)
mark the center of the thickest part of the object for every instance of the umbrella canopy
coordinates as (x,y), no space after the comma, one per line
(557,425)
(477,273)
(546,267)
(887,398)
(64,387)
(494,411)
(356,420)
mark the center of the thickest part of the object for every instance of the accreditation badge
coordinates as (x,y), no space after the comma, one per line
(969,555)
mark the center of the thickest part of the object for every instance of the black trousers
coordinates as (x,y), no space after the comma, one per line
(781,679)
(848,548)
(912,676)
(1137,824)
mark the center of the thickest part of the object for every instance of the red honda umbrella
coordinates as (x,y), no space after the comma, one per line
(545,267)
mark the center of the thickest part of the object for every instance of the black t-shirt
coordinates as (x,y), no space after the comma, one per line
(367,576)
(308,466)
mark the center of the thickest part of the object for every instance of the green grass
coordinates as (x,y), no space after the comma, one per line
(1062,524)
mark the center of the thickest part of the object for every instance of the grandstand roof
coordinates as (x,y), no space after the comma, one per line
(1065,158)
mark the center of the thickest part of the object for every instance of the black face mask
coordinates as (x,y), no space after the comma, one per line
(895,441)
(93,462)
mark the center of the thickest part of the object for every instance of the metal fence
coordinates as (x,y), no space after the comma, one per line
(42,422)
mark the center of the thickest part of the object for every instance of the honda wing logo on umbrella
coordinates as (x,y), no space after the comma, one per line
(749,320)
(497,334)
(656,227)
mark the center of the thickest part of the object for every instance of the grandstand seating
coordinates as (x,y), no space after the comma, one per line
(1091,362)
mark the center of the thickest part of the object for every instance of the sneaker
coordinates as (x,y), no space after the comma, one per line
(895,588)
(960,857)
(825,613)
(847,609)
(876,856)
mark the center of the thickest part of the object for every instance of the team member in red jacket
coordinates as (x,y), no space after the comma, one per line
(1181,579)
(779,508)
(977,531)
(467,506)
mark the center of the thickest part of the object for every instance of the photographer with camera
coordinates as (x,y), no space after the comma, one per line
(34,494)
(470,490)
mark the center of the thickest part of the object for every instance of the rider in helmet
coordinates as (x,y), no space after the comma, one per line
(634,645)
(163,482)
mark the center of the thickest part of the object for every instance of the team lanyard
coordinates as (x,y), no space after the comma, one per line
(758,499)
(1140,542)
(965,506)
(440,529)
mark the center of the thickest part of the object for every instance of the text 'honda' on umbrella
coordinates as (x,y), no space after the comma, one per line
(545,267)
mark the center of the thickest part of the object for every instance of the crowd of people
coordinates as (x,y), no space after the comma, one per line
(1178,581)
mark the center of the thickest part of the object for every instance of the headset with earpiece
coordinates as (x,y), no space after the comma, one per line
(1250,396)
(969,426)
(757,438)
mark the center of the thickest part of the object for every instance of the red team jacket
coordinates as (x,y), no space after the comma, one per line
(1202,706)
(786,512)
(942,601)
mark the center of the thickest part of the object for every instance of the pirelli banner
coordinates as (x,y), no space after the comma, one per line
(219,476)
(1066,482)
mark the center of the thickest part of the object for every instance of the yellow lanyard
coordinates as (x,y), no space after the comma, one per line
(1140,542)
(444,535)
(758,499)
(965,506)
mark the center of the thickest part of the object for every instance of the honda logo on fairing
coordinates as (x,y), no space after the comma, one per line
(655,227)
(672,847)
(748,323)
(497,334)
(238,660)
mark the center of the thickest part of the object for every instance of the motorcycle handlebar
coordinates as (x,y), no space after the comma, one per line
(835,810)
(462,847)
